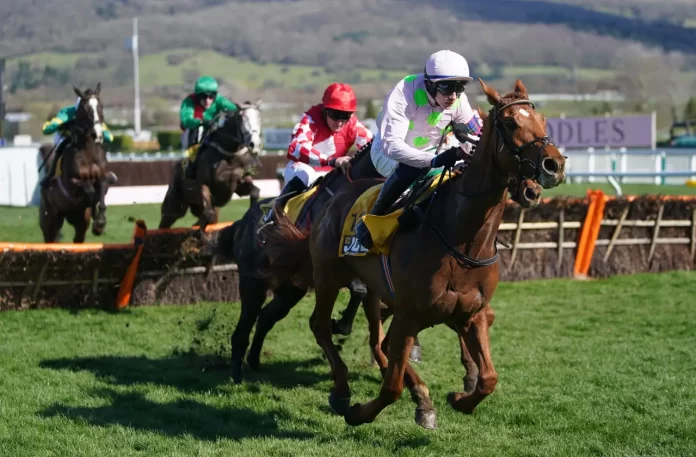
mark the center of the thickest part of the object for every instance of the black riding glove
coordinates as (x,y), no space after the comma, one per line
(447,158)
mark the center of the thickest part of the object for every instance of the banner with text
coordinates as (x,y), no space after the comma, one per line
(602,131)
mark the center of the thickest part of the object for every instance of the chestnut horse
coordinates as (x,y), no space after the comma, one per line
(452,270)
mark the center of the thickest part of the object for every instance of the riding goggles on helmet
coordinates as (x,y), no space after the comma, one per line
(337,115)
(211,95)
(450,87)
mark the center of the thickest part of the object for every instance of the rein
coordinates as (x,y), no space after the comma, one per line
(461,258)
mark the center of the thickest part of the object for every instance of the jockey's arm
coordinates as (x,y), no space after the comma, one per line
(394,127)
(61,117)
(302,146)
(223,104)
(466,115)
(363,135)
(186,114)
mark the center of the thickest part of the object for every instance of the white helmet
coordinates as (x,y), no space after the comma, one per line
(447,65)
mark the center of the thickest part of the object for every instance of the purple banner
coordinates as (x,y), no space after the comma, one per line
(601,131)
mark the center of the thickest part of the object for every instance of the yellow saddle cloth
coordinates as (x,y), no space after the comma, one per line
(382,228)
(293,207)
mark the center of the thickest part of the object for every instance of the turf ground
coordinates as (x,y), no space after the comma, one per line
(602,367)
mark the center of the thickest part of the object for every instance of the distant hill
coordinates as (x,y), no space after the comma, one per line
(339,34)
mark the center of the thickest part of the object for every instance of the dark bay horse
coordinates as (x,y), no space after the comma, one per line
(78,191)
(229,146)
(243,243)
(445,274)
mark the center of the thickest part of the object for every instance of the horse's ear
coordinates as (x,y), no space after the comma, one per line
(482,114)
(77,92)
(493,96)
(98,89)
(520,89)
(258,103)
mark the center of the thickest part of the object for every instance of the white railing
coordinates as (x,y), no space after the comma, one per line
(656,166)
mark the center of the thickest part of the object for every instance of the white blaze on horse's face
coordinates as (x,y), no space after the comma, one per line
(251,116)
(93,103)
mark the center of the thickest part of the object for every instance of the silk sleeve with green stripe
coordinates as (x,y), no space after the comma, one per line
(61,117)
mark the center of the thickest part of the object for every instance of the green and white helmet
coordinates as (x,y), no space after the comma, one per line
(205,85)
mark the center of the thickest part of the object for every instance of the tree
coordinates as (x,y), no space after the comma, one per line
(690,110)
(370,110)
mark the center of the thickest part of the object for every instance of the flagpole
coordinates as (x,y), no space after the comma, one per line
(136,78)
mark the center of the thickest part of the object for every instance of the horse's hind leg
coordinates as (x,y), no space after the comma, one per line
(344,326)
(173,207)
(284,299)
(252,292)
(328,284)
(476,337)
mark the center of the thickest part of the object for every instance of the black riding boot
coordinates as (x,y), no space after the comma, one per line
(50,174)
(397,183)
(291,189)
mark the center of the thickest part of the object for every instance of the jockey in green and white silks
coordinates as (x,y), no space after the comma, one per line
(414,117)
(52,126)
(196,113)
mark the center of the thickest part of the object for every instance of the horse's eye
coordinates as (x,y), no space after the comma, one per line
(511,123)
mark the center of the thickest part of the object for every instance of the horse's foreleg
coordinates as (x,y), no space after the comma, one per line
(402,333)
(252,294)
(50,222)
(344,326)
(472,371)
(80,221)
(476,336)
(99,222)
(209,214)
(416,355)
(284,299)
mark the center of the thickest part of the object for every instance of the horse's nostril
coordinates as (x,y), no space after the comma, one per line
(530,194)
(549,165)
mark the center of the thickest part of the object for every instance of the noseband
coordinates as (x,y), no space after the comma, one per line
(516,151)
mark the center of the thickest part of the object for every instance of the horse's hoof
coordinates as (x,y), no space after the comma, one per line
(470,385)
(352,416)
(237,373)
(416,354)
(459,402)
(339,404)
(426,418)
(254,363)
(338,328)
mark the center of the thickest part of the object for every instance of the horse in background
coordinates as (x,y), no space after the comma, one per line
(229,147)
(77,192)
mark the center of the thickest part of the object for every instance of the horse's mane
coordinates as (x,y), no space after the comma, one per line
(507,98)
(357,156)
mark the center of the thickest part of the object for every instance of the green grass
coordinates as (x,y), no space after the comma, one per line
(601,367)
(22,224)
(580,189)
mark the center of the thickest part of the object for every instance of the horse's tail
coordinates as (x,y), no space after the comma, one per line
(287,249)
(225,241)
